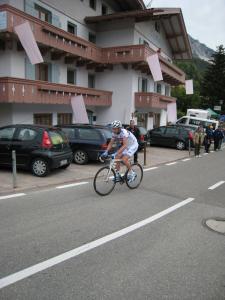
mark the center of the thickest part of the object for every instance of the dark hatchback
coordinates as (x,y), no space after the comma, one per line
(87,141)
(172,136)
(38,148)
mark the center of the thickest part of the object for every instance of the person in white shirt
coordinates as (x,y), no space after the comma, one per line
(129,146)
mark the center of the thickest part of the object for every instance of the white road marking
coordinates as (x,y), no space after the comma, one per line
(172,163)
(149,169)
(12,196)
(212,151)
(186,159)
(213,187)
(71,185)
(205,153)
(13,278)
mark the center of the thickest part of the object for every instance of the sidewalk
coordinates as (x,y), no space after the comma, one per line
(26,180)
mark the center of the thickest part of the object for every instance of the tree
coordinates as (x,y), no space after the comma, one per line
(213,86)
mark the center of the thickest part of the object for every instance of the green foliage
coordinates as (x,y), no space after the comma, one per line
(213,85)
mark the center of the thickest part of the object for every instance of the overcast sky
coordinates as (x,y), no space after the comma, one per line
(204,19)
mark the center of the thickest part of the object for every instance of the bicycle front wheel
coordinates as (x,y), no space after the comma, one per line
(104,181)
(137,168)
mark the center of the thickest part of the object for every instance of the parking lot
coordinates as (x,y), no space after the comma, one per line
(25,180)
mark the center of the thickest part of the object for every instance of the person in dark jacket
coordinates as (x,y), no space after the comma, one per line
(208,138)
(136,132)
(218,138)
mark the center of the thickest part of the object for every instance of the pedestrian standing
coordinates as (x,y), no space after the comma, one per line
(217,136)
(208,138)
(136,132)
(198,140)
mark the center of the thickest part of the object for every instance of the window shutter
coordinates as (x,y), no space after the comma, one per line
(29,69)
(55,73)
(29,8)
(56,21)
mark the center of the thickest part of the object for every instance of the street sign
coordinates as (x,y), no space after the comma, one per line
(217,107)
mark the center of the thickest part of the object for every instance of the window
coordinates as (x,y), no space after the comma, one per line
(157,26)
(64,118)
(92,38)
(159,88)
(159,130)
(91,81)
(171,130)
(43,119)
(92,4)
(43,14)
(6,134)
(42,72)
(69,132)
(104,9)
(182,121)
(144,85)
(88,134)
(72,28)
(167,90)
(27,134)
(71,76)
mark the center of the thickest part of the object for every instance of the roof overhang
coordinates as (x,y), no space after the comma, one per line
(172,22)
(130,4)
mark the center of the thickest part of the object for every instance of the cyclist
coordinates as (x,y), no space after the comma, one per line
(129,146)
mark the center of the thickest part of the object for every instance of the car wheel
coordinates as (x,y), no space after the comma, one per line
(40,167)
(80,157)
(180,145)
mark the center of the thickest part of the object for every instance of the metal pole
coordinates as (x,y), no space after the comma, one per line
(14,169)
(189,147)
(145,153)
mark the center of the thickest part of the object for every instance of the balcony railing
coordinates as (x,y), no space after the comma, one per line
(152,100)
(68,45)
(15,90)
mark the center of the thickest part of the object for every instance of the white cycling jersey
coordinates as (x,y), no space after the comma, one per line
(118,138)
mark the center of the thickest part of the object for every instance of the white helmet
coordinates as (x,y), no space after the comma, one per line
(116,124)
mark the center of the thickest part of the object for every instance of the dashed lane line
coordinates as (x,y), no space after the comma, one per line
(149,169)
(13,278)
(213,187)
(172,163)
(71,185)
(186,159)
(12,196)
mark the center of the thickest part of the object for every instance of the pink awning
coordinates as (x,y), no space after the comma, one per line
(172,112)
(154,65)
(29,43)
(189,87)
(79,110)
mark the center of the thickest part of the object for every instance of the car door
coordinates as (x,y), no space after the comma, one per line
(24,144)
(157,135)
(171,136)
(6,137)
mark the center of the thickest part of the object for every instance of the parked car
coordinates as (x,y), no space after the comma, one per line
(172,136)
(38,148)
(87,141)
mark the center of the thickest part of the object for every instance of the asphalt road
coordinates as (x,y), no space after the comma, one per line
(69,244)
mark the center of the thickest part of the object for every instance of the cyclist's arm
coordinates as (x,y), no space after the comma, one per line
(110,144)
(123,147)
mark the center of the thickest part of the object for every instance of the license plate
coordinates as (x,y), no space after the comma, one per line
(63,162)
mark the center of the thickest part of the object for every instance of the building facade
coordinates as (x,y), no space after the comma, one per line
(94,48)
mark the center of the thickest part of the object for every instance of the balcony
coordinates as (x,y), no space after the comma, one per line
(73,49)
(15,90)
(152,100)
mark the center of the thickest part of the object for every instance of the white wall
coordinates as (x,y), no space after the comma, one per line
(147,31)
(163,117)
(120,82)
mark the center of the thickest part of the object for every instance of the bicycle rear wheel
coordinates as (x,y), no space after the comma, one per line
(137,168)
(104,181)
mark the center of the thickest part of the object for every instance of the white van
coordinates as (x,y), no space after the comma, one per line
(198,113)
(195,121)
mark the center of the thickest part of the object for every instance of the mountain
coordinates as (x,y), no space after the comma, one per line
(200,50)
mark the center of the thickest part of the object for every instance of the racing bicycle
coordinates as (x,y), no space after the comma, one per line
(105,179)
